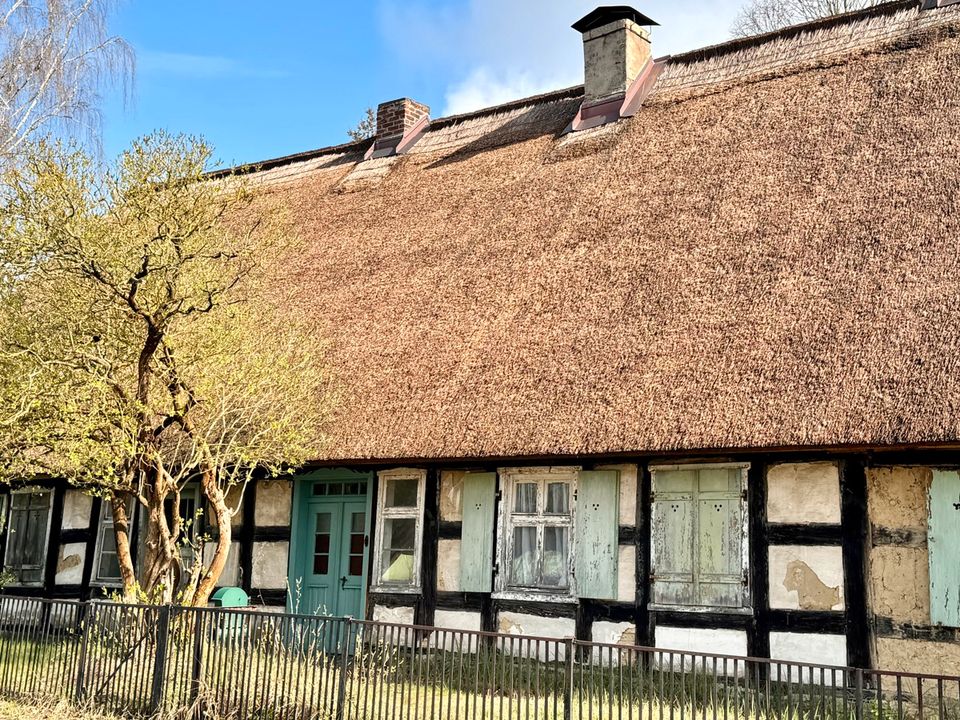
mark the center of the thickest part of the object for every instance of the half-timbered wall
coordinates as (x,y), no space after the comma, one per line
(837,567)
(901,575)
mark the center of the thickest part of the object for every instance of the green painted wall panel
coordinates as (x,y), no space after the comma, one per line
(943,543)
(597,532)
(476,549)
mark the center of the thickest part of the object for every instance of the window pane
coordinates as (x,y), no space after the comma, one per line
(109,567)
(526,498)
(524,556)
(321,545)
(357,522)
(401,493)
(399,535)
(109,541)
(558,498)
(323,522)
(555,556)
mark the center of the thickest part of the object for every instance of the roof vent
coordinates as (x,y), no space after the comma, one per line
(618,64)
(400,123)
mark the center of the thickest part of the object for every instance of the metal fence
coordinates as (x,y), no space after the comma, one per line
(187,662)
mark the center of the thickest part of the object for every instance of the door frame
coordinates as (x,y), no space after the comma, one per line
(300,544)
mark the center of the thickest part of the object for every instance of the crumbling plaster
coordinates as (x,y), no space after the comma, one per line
(899,574)
(897,496)
(902,655)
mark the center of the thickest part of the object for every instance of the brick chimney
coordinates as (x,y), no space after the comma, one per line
(400,123)
(616,49)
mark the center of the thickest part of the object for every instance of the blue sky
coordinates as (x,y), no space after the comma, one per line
(260,79)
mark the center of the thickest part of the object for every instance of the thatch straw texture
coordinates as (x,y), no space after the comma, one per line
(770,263)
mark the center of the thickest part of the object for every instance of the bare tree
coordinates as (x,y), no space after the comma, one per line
(56,57)
(366,128)
(763,16)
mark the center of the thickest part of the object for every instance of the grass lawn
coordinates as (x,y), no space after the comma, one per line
(16,711)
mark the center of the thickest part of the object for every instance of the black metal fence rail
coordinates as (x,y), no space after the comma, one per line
(188,662)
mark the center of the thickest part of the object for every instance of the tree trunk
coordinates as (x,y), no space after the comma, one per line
(221,516)
(119,502)
(159,548)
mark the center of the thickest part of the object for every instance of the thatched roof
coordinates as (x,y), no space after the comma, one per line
(766,255)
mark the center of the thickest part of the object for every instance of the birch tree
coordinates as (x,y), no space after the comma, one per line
(763,16)
(146,343)
(56,57)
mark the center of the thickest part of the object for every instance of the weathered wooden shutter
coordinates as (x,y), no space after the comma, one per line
(476,544)
(674,580)
(719,538)
(597,534)
(943,541)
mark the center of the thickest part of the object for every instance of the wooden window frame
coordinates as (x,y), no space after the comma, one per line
(46,537)
(98,547)
(509,477)
(384,513)
(746,603)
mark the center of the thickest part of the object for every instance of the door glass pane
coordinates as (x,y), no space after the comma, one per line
(357,522)
(401,493)
(321,545)
(555,556)
(399,535)
(526,498)
(558,498)
(525,555)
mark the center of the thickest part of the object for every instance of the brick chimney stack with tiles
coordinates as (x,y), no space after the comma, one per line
(397,117)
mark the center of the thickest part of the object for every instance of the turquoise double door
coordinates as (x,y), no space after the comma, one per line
(330,539)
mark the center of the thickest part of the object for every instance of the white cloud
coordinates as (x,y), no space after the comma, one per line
(492,51)
(484,87)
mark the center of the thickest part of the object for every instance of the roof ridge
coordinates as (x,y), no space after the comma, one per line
(700,54)
(705,53)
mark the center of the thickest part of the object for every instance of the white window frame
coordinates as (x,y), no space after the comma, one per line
(384,513)
(509,477)
(746,604)
(46,537)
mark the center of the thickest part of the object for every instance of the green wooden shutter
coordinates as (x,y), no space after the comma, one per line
(719,538)
(943,541)
(476,543)
(597,534)
(674,576)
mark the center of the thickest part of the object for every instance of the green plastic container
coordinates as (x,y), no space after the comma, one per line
(230,597)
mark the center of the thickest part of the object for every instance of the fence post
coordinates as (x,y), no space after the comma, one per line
(344,658)
(859,696)
(196,673)
(568,678)
(160,660)
(89,611)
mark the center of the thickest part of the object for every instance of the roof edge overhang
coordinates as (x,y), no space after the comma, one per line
(926,454)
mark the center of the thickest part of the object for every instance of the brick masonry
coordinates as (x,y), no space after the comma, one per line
(399,116)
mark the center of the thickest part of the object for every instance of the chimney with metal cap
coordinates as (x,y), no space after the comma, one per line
(616,49)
